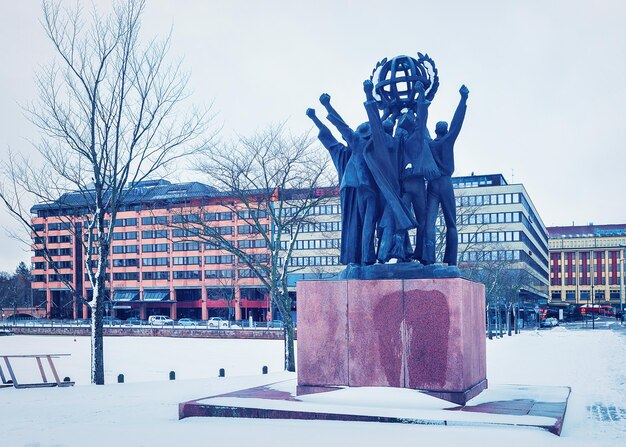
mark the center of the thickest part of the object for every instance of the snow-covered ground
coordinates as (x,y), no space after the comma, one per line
(144,410)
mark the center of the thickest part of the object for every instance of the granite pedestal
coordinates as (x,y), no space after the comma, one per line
(423,334)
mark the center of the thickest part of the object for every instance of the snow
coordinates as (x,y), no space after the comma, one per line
(144,410)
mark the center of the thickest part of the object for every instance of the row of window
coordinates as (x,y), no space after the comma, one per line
(128,222)
(304,261)
(491,255)
(502,236)
(490,236)
(55,252)
(312,244)
(570,295)
(160,275)
(154,220)
(319,210)
(252,243)
(54,226)
(162,220)
(64,239)
(488,199)
(487,218)
(320,227)
(124,235)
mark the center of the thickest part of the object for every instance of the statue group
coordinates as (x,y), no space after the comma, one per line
(393,177)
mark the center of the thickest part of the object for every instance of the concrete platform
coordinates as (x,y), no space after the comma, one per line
(500,405)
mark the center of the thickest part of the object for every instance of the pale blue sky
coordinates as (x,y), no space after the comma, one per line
(546,98)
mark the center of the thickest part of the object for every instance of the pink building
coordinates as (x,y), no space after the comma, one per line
(155,267)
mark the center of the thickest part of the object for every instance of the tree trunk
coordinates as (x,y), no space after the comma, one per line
(283,302)
(508,320)
(288,333)
(97,332)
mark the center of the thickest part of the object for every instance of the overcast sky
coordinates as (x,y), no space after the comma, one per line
(547,97)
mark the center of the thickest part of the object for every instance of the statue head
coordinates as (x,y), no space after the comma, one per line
(388,126)
(441,128)
(364,130)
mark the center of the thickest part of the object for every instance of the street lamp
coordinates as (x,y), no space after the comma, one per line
(593,280)
(621,281)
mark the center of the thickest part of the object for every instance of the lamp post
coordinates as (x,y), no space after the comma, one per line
(621,280)
(593,280)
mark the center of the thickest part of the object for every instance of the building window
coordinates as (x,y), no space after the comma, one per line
(154,220)
(186,260)
(118,249)
(252,214)
(212,217)
(154,234)
(252,229)
(213,274)
(65,277)
(187,274)
(155,261)
(252,243)
(219,259)
(320,227)
(186,218)
(125,262)
(129,222)
(126,276)
(64,239)
(152,248)
(186,232)
(155,275)
(59,226)
(121,235)
(186,246)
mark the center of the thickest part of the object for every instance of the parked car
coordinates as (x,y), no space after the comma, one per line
(111,321)
(550,322)
(160,320)
(217,322)
(187,322)
(133,321)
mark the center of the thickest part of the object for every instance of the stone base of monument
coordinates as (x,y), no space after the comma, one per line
(423,334)
(499,406)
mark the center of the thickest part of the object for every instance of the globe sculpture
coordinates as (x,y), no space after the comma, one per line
(394,82)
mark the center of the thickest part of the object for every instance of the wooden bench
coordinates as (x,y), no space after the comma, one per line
(14,382)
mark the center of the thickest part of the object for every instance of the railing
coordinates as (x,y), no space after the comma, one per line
(199,324)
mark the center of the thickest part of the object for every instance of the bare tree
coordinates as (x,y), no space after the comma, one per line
(271,182)
(109,115)
(504,277)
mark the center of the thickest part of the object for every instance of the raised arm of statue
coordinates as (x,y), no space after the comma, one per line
(459,115)
(346,132)
(325,135)
(421,111)
(339,153)
(376,124)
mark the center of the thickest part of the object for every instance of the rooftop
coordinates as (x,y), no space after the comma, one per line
(590,230)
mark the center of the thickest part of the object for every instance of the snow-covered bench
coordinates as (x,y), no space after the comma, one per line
(44,383)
